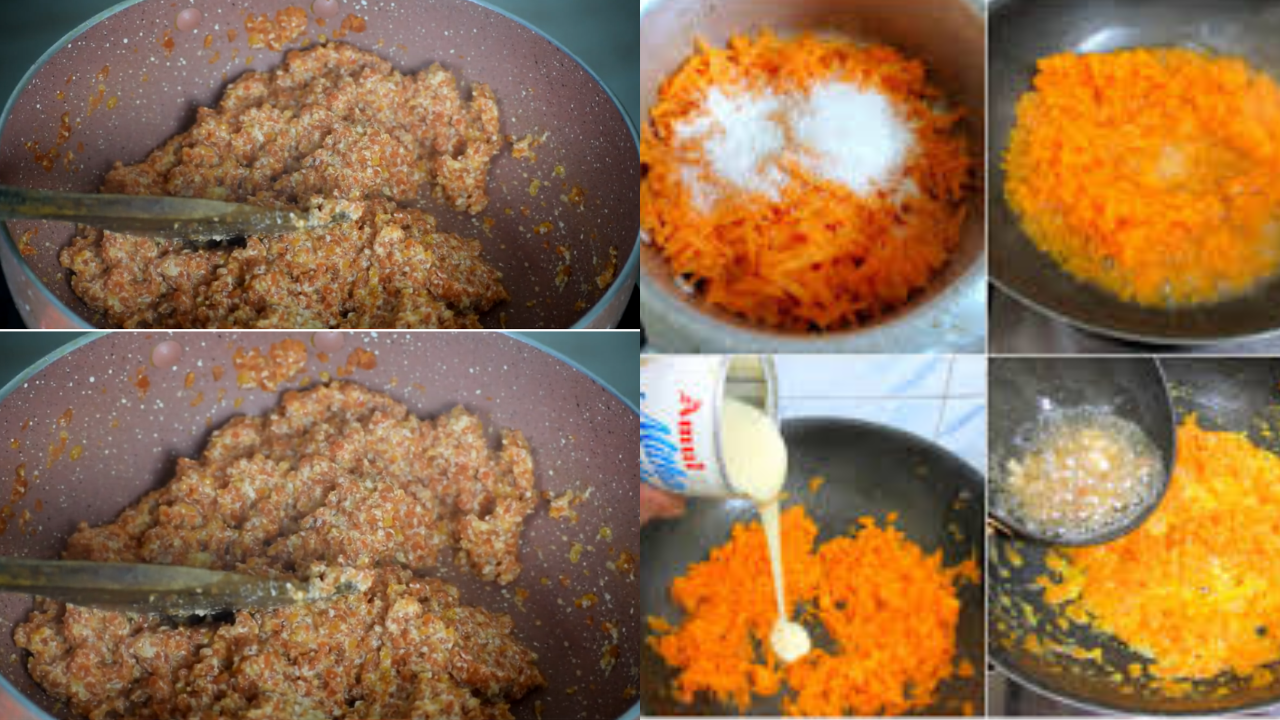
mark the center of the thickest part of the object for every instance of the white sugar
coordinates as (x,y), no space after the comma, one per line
(854,136)
(741,139)
(839,131)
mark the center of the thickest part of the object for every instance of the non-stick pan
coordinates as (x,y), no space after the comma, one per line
(1237,395)
(1022,31)
(582,436)
(152,77)
(870,470)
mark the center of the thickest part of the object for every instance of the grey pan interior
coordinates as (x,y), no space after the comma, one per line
(539,85)
(870,470)
(582,436)
(1021,31)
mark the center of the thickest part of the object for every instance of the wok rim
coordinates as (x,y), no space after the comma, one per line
(626,276)
(1153,342)
(36,712)
(998,657)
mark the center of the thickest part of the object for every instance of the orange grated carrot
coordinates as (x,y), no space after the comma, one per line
(890,609)
(1153,174)
(821,256)
(1195,586)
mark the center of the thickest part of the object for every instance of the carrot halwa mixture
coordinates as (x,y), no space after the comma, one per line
(1153,174)
(805,183)
(338,483)
(894,638)
(1195,587)
(335,131)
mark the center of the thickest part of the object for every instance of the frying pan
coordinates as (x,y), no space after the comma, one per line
(870,470)
(540,87)
(582,436)
(1023,31)
(1237,395)
(1023,389)
(948,36)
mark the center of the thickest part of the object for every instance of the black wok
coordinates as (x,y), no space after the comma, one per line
(870,470)
(1237,395)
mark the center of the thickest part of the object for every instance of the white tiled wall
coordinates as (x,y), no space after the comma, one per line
(939,397)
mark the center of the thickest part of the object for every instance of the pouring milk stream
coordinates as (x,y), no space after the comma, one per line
(708,428)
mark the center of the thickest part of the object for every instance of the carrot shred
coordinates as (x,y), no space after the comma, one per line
(1194,587)
(890,609)
(820,256)
(1153,174)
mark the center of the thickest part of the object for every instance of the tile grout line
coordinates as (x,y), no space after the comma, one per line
(946,390)
(956,396)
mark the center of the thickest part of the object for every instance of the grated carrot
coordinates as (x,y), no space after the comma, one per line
(890,609)
(1153,174)
(1195,587)
(820,256)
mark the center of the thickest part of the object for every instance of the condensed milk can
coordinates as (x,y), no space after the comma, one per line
(681,401)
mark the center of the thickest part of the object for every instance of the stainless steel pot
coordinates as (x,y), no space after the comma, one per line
(948,35)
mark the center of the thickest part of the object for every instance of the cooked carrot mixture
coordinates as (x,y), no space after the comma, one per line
(817,254)
(1153,174)
(890,610)
(1195,588)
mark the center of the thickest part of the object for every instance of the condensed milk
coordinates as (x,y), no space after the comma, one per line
(709,428)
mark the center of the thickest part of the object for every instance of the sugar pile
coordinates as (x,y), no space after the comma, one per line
(838,131)
(854,135)
(741,139)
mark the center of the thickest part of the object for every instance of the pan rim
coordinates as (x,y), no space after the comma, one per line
(910,438)
(566,360)
(1152,342)
(6,687)
(36,712)
(626,276)
(998,658)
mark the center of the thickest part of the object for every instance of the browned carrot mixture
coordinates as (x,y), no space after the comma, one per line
(1195,588)
(1153,174)
(337,484)
(334,131)
(820,256)
(890,609)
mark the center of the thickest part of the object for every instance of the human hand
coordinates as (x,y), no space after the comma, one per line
(656,504)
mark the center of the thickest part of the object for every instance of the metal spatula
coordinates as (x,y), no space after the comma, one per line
(162,589)
(165,217)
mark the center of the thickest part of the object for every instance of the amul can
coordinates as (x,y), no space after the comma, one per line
(681,399)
